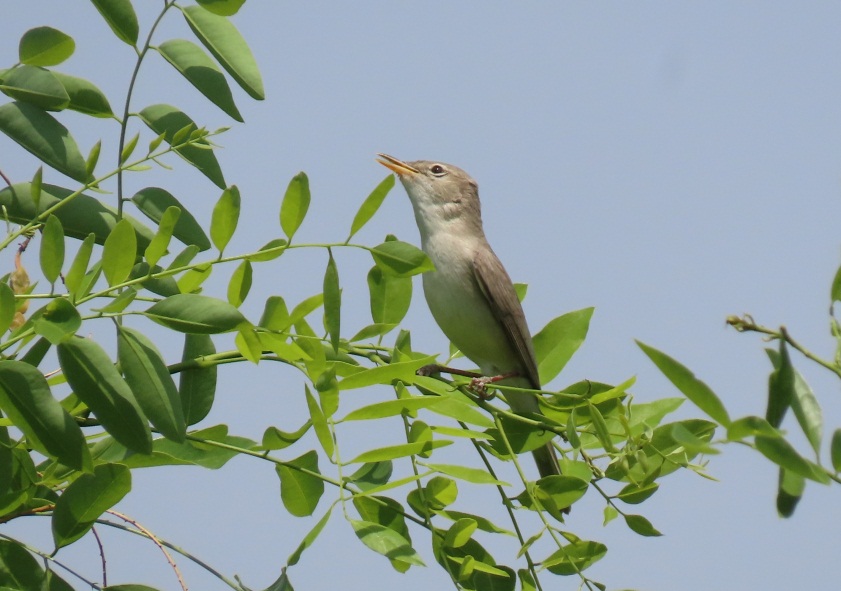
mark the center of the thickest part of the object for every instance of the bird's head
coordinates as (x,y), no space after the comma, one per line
(440,193)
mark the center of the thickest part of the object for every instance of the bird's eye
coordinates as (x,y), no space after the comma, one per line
(437,169)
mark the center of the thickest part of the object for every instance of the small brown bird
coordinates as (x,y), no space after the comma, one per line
(469,293)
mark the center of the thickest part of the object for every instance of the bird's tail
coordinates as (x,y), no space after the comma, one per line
(546,460)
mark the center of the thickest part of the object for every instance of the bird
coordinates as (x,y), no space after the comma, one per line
(469,293)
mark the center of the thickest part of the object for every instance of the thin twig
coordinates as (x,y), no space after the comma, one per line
(747,324)
(101,556)
(156,541)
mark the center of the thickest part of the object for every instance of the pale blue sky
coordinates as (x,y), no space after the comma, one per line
(668,163)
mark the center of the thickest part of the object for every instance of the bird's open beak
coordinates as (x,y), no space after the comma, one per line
(398,166)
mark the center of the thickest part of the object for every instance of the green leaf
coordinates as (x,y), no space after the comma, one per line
(119,252)
(248,343)
(299,490)
(168,453)
(79,216)
(35,86)
(275,314)
(401,259)
(26,399)
(691,387)
(835,450)
(53,582)
(153,202)
(384,511)
(156,143)
(308,540)
(128,148)
(225,218)
(373,475)
(57,321)
(370,206)
(780,386)
(269,251)
(385,374)
(274,438)
(200,71)
(158,247)
(148,377)
(455,405)
(459,533)
(52,249)
(371,331)
(89,280)
(661,455)
(93,158)
(305,308)
(319,423)
(184,258)
(227,45)
(650,414)
(35,186)
(120,16)
(119,303)
(641,525)
(474,475)
(296,202)
(168,120)
(18,569)
(85,96)
(575,557)
(780,451)
(197,385)
(193,313)
(222,8)
(95,380)
(557,493)
(402,450)
(7,307)
(152,280)
(558,341)
(692,443)
(386,541)
(789,492)
(633,494)
(45,46)
(193,278)
(390,296)
(615,392)
(86,499)
(391,408)
(787,388)
(332,302)
(240,284)
(808,411)
(601,429)
(42,135)
(610,513)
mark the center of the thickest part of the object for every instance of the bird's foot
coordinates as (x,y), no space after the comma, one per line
(479,384)
(434,368)
(480,387)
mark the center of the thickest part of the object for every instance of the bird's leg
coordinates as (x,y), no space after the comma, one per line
(433,368)
(478,382)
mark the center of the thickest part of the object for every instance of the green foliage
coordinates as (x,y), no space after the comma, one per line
(787,389)
(112,409)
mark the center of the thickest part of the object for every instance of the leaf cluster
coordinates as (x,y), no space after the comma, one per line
(70,438)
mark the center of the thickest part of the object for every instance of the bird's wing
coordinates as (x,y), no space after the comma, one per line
(505,305)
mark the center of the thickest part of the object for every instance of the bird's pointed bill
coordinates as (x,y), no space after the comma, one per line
(396,165)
